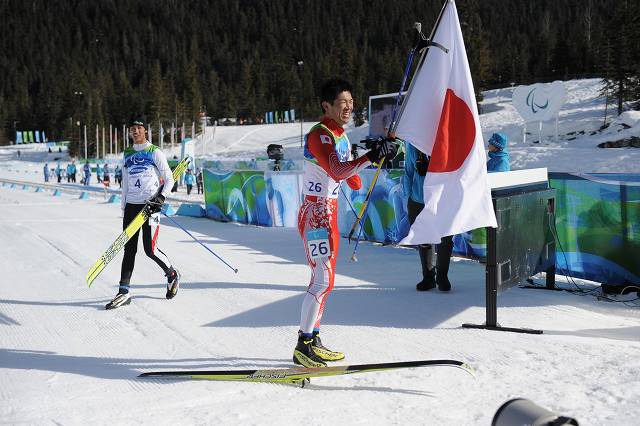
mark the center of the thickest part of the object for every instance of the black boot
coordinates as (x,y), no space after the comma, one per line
(304,355)
(173,282)
(428,272)
(445,248)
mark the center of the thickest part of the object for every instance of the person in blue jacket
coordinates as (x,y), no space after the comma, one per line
(59,172)
(69,173)
(415,169)
(45,170)
(73,171)
(87,174)
(99,173)
(498,154)
(189,180)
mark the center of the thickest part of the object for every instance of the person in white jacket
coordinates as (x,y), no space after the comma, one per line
(146,181)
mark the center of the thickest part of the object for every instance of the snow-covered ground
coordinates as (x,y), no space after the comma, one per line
(65,360)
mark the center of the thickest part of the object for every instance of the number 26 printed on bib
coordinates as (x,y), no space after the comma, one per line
(318,243)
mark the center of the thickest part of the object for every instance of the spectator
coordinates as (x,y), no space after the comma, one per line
(498,154)
(99,173)
(87,174)
(118,174)
(416,164)
(59,172)
(199,180)
(45,171)
(189,180)
(106,180)
(73,171)
(69,173)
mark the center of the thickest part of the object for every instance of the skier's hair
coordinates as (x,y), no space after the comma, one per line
(331,88)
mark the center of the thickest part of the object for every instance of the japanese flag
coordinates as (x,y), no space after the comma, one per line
(440,118)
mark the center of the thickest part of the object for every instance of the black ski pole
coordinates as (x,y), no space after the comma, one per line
(416,47)
(199,242)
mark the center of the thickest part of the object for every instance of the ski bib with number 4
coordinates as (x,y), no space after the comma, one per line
(318,243)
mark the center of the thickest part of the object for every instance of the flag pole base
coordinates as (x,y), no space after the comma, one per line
(499,328)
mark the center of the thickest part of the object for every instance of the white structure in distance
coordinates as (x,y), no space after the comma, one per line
(539,102)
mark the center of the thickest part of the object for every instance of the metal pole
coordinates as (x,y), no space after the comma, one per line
(539,131)
(85,142)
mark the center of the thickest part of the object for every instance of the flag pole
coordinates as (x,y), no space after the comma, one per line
(421,43)
(426,43)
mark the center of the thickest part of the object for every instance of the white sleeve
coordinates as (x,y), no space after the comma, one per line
(164,170)
(125,187)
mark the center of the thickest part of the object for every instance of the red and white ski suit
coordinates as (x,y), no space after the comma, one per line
(327,163)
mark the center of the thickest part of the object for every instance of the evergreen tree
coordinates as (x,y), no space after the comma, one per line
(169,59)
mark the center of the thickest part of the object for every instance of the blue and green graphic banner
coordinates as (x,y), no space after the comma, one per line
(597,215)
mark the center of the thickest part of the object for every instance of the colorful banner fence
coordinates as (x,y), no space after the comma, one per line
(257,198)
(597,215)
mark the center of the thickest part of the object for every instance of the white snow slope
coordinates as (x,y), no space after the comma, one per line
(65,360)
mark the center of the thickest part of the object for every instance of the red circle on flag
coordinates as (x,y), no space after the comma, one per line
(455,137)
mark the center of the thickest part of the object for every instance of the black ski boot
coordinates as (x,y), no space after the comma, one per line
(428,272)
(121,299)
(304,355)
(173,282)
(443,258)
(322,352)
(428,281)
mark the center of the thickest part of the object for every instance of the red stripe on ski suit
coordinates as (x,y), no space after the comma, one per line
(321,212)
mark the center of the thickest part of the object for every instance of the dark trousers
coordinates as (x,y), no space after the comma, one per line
(426,251)
(131,247)
(189,189)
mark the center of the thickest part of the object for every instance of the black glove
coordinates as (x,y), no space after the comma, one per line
(422,164)
(154,205)
(385,148)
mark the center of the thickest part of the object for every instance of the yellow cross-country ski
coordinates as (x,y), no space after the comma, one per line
(300,375)
(129,231)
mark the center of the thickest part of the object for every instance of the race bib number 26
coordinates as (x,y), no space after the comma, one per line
(318,243)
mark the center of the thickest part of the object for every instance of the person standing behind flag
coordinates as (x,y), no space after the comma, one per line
(327,162)
(440,118)
(415,168)
(498,154)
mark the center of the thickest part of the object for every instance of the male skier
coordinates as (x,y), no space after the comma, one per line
(327,162)
(146,180)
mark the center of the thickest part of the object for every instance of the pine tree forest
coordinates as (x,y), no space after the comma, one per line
(98,62)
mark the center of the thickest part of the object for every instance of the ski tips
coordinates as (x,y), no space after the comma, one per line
(466,367)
